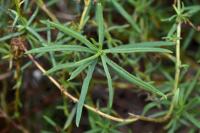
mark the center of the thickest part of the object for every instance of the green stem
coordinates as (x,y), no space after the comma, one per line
(84,14)
(178,63)
(178,60)
(42,5)
(177,75)
(17,3)
(176,82)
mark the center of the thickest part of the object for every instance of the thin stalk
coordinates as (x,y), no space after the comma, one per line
(42,5)
(17,3)
(178,59)
(176,82)
(178,62)
(177,76)
(84,14)
(133,117)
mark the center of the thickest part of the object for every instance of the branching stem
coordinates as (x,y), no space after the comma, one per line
(74,99)
(133,116)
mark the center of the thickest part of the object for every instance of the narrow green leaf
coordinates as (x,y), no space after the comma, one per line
(52,56)
(117,27)
(77,71)
(126,15)
(114,131)
(188,39)
(10,35)
(85,15)
(16,17)
(96,130)
(71,65)
(57,47)
(61,66)
(193,103)
(72,33)
(34,33)
(100,22)
(172,31)
(136,50)
(50,121)
(70,118)
(149,107)
(192,119)
(4,51)
(33,16)
(126,75)
(141,47)
(191,10)
(192,85)
(109,79)
(84,91)
(147,44)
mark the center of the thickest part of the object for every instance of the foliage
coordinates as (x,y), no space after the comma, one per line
(127,34)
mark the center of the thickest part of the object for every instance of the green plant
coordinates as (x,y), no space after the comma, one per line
(78,56)
(98,51)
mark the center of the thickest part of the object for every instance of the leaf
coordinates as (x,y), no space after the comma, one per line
(16,17)
(61,66)
(135,50)
(33,16)
(77,71)
(70,118)
(188,39)
(85,14)
(57,47)
(114,131)
(126,15)
(126,75)
(71,65)
(44,131)
(72,33)
(191,85)
(99,16)
(109,80)
(96,130)
(193,103)
(149,107)
(10,35)
(141,47)
(50,121)
(192,119)
(34,33)
(84,90)
(4,51)
(191,10)
(172,31)
(147,44)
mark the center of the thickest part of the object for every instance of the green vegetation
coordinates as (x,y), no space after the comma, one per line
(145,47)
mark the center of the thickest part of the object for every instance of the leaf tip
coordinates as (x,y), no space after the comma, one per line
(77,120)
